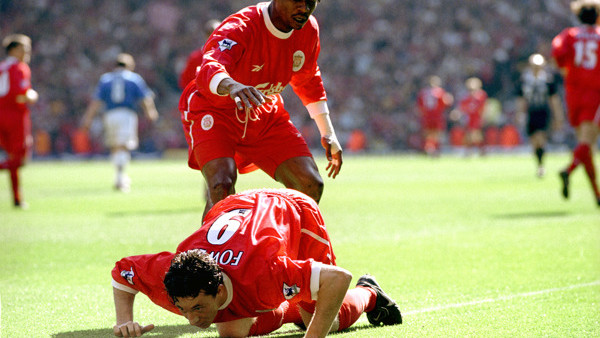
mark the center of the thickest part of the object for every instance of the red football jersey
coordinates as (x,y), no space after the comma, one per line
(248,48)
(577,50)
(267,242)
(188,73)
(473,105)
(433,102)
(15,79)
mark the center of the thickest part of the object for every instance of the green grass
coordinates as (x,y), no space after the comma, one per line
(467,246)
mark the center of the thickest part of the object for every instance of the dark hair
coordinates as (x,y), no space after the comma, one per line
(588,15)
(125,60)
(192,272)
(15,40)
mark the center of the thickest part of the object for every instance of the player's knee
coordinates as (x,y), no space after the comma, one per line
(221,188)
(312,186)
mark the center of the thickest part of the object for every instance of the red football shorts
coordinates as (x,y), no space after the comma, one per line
(433,122)
(314,241)
(263,143)
(474,122)
(583,105)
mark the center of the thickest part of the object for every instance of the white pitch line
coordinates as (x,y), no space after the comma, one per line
(502,298)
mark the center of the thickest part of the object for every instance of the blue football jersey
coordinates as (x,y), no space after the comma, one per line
(121,88)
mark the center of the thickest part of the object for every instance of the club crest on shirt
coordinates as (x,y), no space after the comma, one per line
(207,122)
(290,291)
(128,274)
(298,60)
(226,44)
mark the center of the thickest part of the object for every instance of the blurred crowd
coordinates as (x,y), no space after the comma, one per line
(375,57)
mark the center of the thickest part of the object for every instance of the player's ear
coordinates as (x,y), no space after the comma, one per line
(221,290)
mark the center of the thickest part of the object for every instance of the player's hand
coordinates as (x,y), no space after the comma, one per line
(131,329)
(333,151)
(244,96)
(248,97)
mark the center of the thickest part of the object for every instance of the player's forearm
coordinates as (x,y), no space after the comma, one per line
(123,305)
(225,85)
(319,112)
(90,112)
(557,109)
(150,108)
(333,284)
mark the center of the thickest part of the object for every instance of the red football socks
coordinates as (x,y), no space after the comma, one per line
(356,302)
(582,154)
(271,321)
(578,153)
(14,180)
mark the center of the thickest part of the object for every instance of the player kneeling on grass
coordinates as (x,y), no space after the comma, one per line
(261,259)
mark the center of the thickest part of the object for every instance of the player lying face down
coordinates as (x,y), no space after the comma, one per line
(261,259)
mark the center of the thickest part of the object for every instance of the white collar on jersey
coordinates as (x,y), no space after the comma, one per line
(264,7)
(229,288)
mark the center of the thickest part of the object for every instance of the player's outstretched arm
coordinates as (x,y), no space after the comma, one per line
(125,326)
(333,284)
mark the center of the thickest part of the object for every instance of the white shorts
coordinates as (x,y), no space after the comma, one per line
(121,128)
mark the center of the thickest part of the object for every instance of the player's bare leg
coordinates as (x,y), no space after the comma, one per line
(302,174)
(538,143)
(220,175)
(587,134)
(13,164)
(431,145)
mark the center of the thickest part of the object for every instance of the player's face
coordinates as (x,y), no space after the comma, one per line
(200,310)
(291,14)
(23,53)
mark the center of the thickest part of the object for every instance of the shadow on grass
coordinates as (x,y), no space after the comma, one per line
(169,331)
(128,213)
(173,331)
(533,214)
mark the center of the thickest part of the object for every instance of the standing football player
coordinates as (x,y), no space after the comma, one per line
(537,98)
(119,92)
(577,52)
(233,114)
(472,105)
(15,120)
(432,102)
(261,258)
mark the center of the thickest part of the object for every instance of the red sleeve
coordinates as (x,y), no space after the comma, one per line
(308,83)
(561,50)
(145,273)
(293,280)
(21,79)
(214,60)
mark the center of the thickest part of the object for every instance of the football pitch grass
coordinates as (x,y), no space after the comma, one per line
(474,247)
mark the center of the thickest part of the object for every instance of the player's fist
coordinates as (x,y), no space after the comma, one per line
(131,329)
